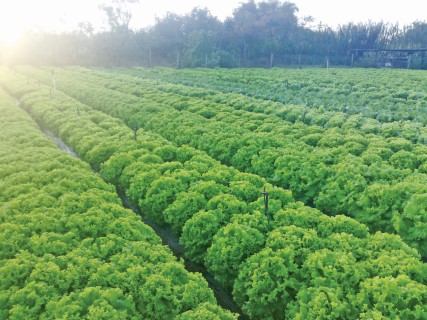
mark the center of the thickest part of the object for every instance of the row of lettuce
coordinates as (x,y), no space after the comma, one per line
(299,264)
(380,99)
(381,182)
(69,250)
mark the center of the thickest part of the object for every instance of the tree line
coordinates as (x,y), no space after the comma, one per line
(257,34)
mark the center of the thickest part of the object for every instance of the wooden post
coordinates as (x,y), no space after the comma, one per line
(177,59)
(265,194)
(53,83)
(352,59)
(245,48)
(327,63)
(206,60)
(271,59)
(409,61)
(303,115)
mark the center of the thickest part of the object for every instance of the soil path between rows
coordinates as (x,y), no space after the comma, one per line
(169,239)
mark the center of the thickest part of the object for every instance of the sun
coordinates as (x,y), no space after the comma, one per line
(10,34)
(13,21)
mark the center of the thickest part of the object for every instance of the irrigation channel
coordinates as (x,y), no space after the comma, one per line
(169,239)
(60,144)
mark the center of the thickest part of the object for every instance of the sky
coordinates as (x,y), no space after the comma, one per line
(16,16)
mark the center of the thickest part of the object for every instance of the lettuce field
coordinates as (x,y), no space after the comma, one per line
(342,154)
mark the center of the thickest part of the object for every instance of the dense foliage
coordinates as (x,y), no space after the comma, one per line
(341,167)
(69,250)
(364,98)
(300,264)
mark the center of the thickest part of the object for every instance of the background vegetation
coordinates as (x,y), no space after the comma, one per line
(260,34)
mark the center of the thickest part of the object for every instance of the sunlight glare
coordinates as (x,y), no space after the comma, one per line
(11,26)
(10,36)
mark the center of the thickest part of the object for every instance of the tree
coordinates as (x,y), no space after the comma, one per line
(415,35)
(169,37)
(118,14)
(201,30)
(264,28)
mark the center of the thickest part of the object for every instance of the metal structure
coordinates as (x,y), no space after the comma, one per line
(390,58)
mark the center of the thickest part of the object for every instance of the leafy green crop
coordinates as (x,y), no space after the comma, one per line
(302,263)
(328,160)
(69,249)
